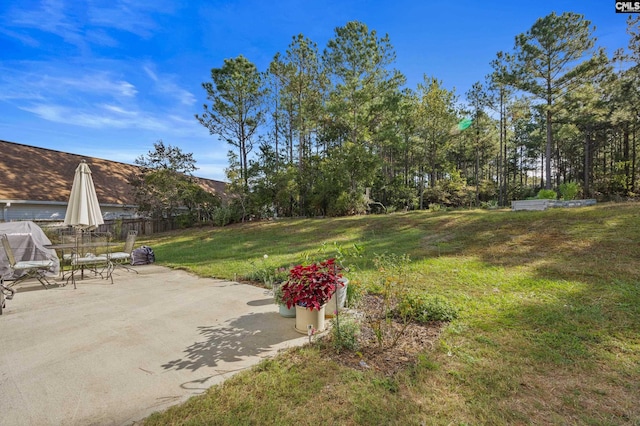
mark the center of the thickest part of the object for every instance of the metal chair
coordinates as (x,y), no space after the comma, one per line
(28,268)
(6,293)
(92,252)
(120,258)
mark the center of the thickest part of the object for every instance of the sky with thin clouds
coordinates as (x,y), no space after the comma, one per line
(107,79)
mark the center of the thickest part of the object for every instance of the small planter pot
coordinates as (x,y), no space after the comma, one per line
(286,312)
(306,317)
(338,300)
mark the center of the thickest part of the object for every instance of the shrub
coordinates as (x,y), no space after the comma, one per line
(266,272)
(424,308)
(184,221)
(490,205)
(547,194)
(451,192)
(569,190)
(223,215)
(355,292)
(344,336)
(278,294)
(521,192)
(393,280)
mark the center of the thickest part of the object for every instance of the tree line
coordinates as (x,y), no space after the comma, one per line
(336,132)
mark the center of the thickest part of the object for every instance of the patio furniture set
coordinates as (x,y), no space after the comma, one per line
(80,251)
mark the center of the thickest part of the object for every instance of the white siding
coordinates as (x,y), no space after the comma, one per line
(34,212)
(54,212)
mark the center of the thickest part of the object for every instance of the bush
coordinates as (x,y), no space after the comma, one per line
(423,308)
(490,205)
(344,333)
(224,215)
(184,221)
(266,272)
(452,192)
(521,192)
(355,292)
(547,194)
(569,190)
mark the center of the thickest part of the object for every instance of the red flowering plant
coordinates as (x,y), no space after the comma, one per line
(311,286)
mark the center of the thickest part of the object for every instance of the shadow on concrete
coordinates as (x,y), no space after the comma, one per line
(247,336)
(261,302)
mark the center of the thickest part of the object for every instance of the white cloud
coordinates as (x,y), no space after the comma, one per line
(133,16)
(82,23)
(122,18)
(23,38)
(151,73)
(119,110)
(110,97)
(211,170)
(122,155)
(116,117)
(100,37)
(101,118)
(166,84)
(183,96)
(49,16)
(35,80)
(214,155)
(97,83)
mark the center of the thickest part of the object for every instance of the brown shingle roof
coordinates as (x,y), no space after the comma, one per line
(40,174)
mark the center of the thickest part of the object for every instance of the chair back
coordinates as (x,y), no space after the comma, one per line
(131,240)
(8,250)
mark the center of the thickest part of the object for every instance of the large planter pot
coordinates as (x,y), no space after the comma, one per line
(338,299)
(306,317)
(287,312)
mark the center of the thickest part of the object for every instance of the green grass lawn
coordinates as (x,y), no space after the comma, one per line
(548,332)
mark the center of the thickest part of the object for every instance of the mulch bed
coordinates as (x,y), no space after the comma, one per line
(387,359)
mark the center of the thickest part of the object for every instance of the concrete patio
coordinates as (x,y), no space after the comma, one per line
(112,354)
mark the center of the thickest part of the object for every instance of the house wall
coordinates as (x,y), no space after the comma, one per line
(20,211)
(32,196)
(51,211)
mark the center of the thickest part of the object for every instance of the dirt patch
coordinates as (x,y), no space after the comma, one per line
(376,349)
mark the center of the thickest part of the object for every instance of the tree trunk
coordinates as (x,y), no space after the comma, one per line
(547,154)
(626,159)
(421,187)
(542,176)
(500,175)
(633,160)
(587,163)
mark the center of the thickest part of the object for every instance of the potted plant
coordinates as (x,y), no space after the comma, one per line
(309,288)
(282,306)
(339,298)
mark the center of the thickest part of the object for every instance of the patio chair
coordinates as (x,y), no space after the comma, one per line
(28,268)
(121,258)
(6,293)
(92,253)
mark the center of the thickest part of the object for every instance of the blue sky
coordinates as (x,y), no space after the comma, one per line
(109,78)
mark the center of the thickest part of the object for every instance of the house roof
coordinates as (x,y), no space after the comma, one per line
(39,174)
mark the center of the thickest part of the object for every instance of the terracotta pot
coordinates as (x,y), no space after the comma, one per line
(306,317)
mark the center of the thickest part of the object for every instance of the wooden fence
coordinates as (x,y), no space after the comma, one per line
(120,227)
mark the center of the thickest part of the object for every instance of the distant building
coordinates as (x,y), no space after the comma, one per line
(35,183)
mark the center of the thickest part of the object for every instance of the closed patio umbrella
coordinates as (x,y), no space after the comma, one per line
(83,211)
